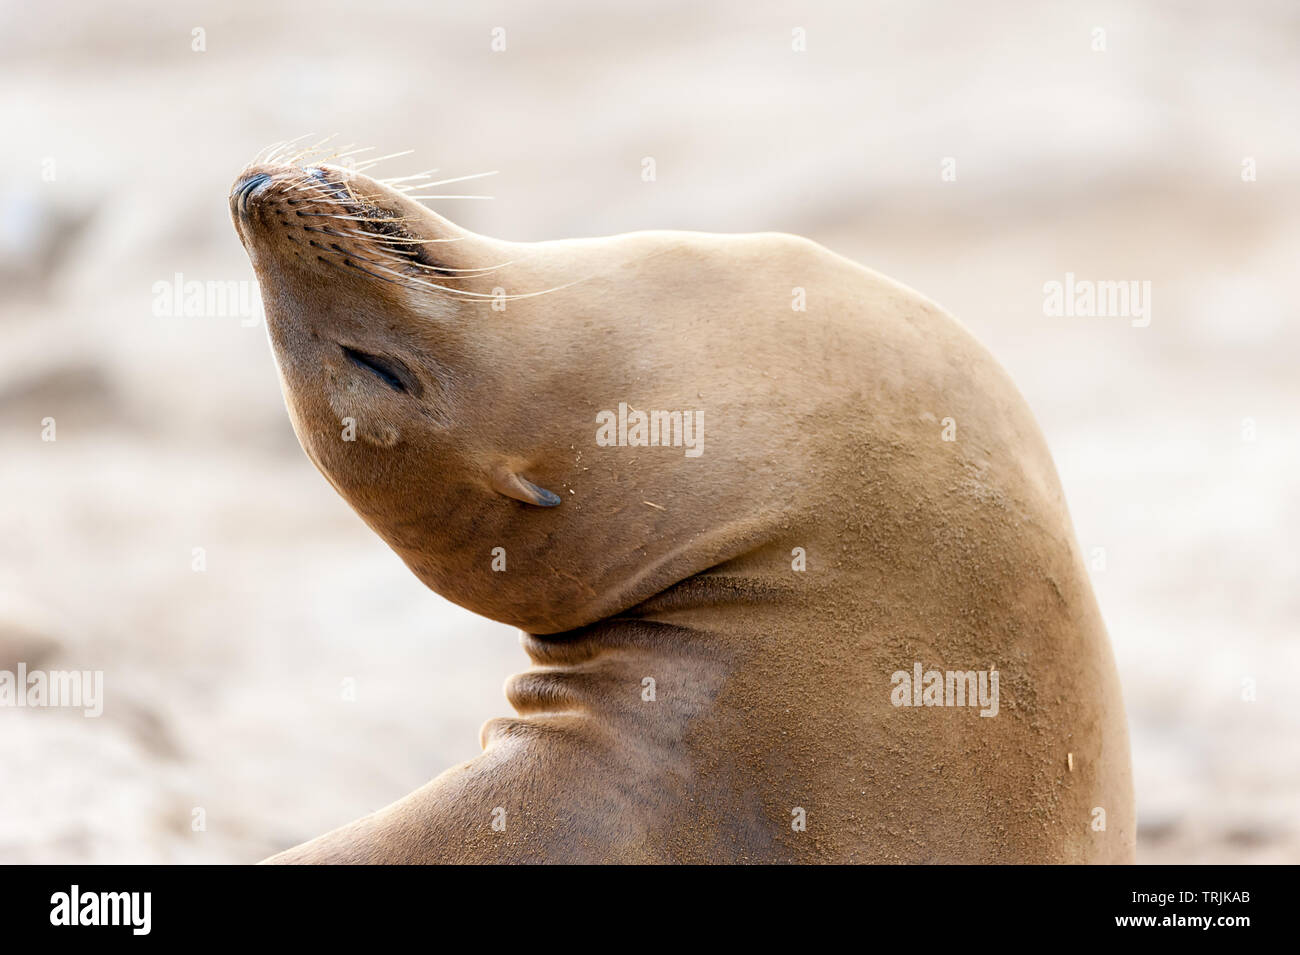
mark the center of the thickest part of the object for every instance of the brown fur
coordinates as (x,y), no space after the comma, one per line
(773,686)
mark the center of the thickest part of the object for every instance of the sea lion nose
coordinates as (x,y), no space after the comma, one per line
(245,189)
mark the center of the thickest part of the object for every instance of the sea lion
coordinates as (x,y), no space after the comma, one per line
(724,643)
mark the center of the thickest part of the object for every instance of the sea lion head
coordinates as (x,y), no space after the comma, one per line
(395,383)
(446,385)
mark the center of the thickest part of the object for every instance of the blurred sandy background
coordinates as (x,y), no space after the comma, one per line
(224,687)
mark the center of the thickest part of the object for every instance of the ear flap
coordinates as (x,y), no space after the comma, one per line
(507,482)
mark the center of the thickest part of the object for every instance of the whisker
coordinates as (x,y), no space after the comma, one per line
(479,295)
(310,150)
(477,175)
(418,175)
(276,149)
(335,215)
(394,239)
(353,152)
(335,154)
(371,162)
(460,273)
(397,238)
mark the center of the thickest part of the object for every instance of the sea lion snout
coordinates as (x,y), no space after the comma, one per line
(330,218)
(259,188)
(244,188)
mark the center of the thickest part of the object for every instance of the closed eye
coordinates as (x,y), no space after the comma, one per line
(381,368)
